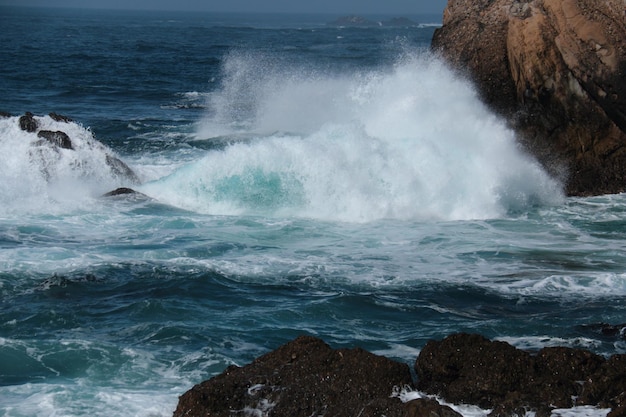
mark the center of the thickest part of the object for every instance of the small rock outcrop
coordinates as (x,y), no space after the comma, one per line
(56,138)
(59,117)
(557,70)
(28,123)
(302,378)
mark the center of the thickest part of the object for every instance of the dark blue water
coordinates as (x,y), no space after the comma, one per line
(298,178)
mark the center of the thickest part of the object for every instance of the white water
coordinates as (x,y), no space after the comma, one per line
(37,177)
(411,141)
(407,142)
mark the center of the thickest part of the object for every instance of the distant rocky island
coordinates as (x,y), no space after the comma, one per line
(360,21)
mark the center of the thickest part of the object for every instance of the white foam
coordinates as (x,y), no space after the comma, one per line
(407,394)
(408,142)
(540,342)
(40,178)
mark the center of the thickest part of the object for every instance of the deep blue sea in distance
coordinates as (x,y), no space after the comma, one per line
(297,178)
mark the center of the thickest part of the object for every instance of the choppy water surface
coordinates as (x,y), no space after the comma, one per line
(297,179)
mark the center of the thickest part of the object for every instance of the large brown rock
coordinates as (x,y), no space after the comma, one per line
(557,70)
(466,368)
(302,378)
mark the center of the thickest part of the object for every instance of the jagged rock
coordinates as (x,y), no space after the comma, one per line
(4,114)
(59,117)
(58,138)
(557,71)
(28,123)
(302,378)
(471,369)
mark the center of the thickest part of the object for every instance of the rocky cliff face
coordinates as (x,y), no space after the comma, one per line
(557,70)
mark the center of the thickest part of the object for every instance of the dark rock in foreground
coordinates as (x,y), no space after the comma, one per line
(306,377)
(470,369)
(557,71)
(300,379)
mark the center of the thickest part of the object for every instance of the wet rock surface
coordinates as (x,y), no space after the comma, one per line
(306,377)
(465,368)
(302,378)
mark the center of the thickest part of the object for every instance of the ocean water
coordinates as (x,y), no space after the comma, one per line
(296,178)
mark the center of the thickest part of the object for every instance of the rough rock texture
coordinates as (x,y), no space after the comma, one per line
(465,368)
(302,378)
(557,70)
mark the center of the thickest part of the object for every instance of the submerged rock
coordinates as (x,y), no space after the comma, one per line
(302,378)
(557,71)
(129,193)
(120,191)
(120,169)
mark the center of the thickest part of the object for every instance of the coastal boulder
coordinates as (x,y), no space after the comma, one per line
(556,69)
(467,368)
(305,377)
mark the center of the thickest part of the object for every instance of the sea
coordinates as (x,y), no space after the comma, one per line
(296,177)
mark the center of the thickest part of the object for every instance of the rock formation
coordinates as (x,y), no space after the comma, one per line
(302,378)
(470,369)
(58,139)
(306,377)
(556,69)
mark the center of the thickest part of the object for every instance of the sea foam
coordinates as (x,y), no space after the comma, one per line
(410,141)
(38,177)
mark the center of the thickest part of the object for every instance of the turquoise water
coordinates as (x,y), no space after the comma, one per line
(296,179)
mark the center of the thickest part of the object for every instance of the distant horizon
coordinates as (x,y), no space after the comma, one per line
(323,7)
(252,12)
